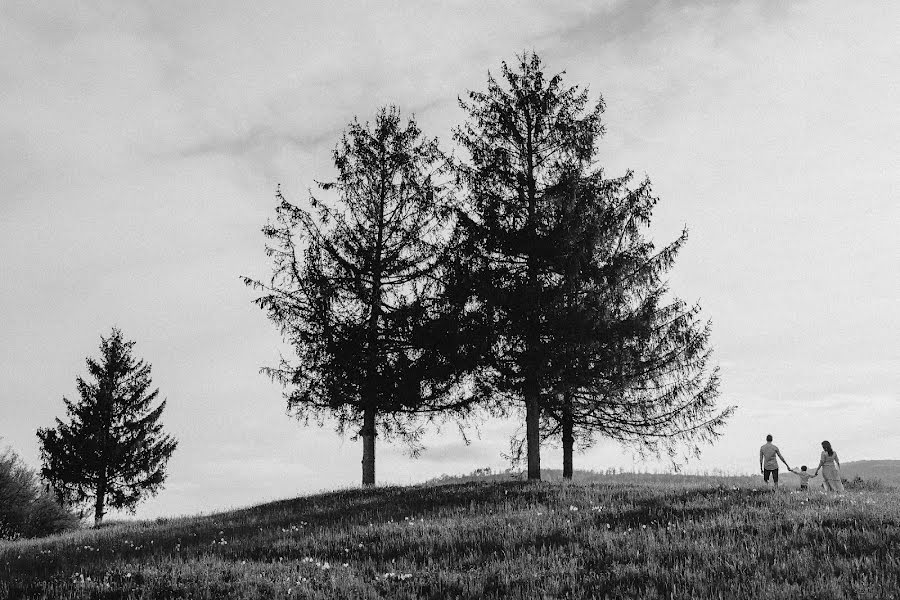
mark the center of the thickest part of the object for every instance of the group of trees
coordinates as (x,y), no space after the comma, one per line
(417,287)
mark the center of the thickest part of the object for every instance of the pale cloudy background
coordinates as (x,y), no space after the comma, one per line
(141,143)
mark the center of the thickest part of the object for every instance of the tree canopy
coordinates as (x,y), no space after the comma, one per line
(521,135)
(520,277)
(582,330)
(355,289)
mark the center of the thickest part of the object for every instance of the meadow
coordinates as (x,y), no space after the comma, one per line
(615,536)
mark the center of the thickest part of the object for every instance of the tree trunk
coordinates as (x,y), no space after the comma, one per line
(100,501)
(372,388)
(532,336)
(533,430)
(368,436)
(568,439)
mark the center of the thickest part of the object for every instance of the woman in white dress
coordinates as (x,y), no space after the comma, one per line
(831,468)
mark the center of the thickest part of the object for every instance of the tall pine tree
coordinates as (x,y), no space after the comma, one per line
(112,450)
(355,290)
(520,135)
(557,260)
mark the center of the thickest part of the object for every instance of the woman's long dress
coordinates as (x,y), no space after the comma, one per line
(830,473)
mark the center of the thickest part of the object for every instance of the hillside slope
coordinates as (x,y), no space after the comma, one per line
(622,538)
(886,471)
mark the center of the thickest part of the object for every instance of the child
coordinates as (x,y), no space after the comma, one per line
(804,476)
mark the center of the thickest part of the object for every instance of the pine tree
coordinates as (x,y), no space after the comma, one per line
(355,290)
(630,363)
(582,330)
(520,135)
(112,449)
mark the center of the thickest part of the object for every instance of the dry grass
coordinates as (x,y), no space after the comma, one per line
(615,537)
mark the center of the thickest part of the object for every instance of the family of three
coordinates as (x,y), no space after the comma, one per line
(828,463)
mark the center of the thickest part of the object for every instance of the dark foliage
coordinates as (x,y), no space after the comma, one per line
(355,290)
(521,135)
(26,509)
(112,450)
(860,484)
(628,362)
(568,287)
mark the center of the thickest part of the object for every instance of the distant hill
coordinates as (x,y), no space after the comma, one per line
(888,471)
(885,471)
(609,476)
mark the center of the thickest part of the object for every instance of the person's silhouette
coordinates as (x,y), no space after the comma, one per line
(768,461)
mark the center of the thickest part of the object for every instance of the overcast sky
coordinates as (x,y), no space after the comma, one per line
(141,144)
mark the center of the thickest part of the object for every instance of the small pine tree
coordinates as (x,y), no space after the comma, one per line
(112,450)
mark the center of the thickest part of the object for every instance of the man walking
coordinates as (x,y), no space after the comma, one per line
(768,463)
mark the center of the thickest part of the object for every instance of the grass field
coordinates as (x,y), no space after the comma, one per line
(618,536)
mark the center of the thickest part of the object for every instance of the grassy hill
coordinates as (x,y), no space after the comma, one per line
(886,471)
(620,536)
